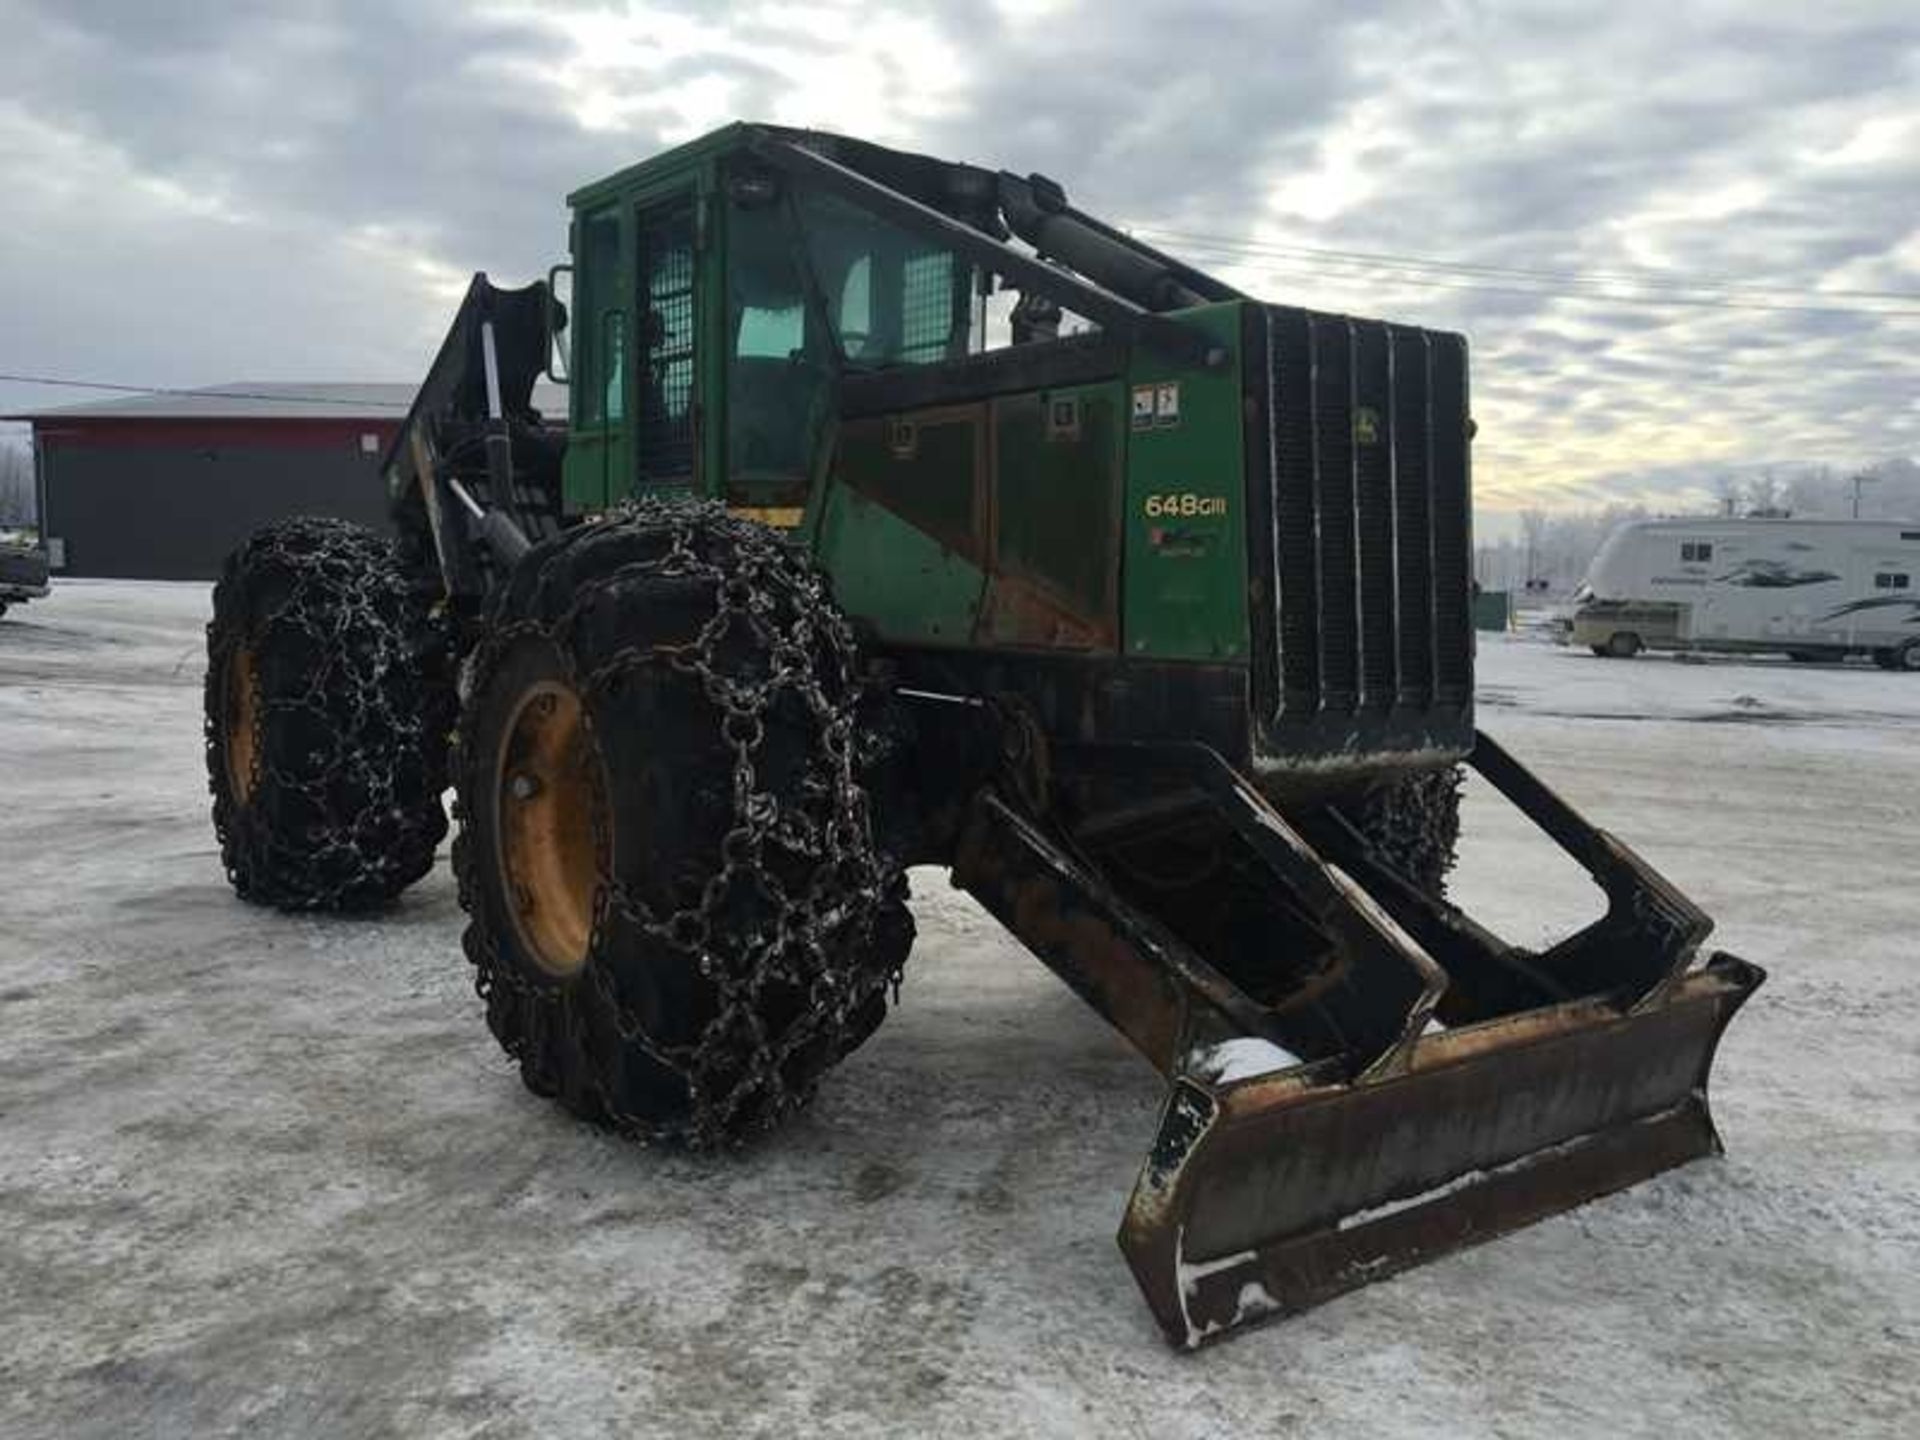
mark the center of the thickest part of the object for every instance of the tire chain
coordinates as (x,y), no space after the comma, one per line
(349,598)
(1414,824)
(823,943)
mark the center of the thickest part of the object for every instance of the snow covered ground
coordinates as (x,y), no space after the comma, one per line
(270,1176)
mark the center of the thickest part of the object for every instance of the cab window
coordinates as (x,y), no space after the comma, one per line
(899,298)
(771,334)
(600,379)
(777,371)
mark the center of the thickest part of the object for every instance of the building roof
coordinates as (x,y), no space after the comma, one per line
(268,400)
(1769,522)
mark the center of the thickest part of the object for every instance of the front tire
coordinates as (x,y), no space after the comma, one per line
(677,912)
(327,715)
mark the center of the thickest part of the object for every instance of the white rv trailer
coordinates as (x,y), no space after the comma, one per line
(1815,589)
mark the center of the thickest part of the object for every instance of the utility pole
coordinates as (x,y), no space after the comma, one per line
(1858,480)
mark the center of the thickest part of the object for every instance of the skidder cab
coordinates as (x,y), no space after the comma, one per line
(905,514)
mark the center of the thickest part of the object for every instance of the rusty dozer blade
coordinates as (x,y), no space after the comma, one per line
(1277,1192)
(1319,1138)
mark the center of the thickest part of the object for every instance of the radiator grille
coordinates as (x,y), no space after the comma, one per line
(1331,486)
(1368,453)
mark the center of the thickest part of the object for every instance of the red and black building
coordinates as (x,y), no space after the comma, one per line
(162,486)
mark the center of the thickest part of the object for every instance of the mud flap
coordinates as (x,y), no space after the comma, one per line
(1273,1193)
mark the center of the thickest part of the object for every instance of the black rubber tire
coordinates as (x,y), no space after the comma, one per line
(1414,822)
(352,708)
(1806,657)
(1624,645)
(1899,657)
(653,1034)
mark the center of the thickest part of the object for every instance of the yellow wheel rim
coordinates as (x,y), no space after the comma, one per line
(548,786)
(242,713)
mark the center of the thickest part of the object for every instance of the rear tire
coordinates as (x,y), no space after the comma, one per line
(677,912)
(327,715)
(1899,657)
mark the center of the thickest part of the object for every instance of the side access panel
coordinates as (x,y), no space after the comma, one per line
(895,577)
(1053,517)
(993,525)
(903,524)
(1185,504)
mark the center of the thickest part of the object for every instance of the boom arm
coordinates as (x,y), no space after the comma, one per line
(471,462)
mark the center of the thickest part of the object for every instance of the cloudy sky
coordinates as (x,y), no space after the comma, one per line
(1684,238)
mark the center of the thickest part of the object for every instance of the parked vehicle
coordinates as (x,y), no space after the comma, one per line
(1813,589)
(23,568)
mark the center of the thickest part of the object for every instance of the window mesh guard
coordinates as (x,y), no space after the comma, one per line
(664,440)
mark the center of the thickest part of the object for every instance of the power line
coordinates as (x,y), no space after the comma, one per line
(1642,279)
(1602,299)
(1597,298)
(1449,281)
(209,394)
(1446,275)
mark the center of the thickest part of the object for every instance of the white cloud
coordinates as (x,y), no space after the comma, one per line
(201,193)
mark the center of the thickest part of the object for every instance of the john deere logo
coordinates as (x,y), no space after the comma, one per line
(1366,426)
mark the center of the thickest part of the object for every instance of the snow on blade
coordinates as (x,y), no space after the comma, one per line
(1239,1059)
(1253,1301)
(1470,1178)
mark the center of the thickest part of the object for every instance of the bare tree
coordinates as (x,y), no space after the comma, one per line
(1893,491)
(1811,491)
(1533,528)
(1766,494)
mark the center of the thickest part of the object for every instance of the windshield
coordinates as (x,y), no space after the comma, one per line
(891,296)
